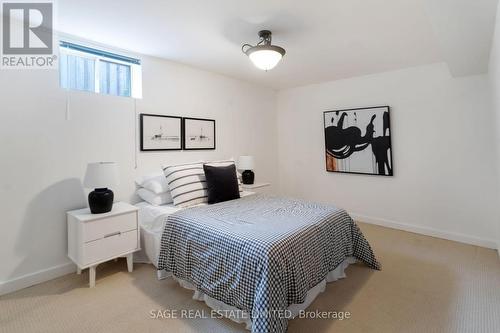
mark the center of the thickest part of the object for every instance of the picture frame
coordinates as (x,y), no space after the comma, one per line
(160,132)
(359,141)
(198,134)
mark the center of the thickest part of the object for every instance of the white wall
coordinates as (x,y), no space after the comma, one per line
(44,155)
(443,151)
(443,139)
(494,74)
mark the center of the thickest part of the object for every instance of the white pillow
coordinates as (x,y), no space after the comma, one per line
(153,198)
(156,182)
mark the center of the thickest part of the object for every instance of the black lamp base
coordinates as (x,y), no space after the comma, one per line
(248,177)
(101,200)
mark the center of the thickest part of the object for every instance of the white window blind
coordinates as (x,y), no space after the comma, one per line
(114,79)
(77,73)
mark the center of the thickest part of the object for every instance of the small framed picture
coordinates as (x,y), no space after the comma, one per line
(198,134)
(160,132)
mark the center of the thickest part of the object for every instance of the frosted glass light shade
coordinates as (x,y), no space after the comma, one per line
(246,163)
(264,55)
(265,59)
(101,175)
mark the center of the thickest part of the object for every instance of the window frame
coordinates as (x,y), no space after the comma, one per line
(135,69)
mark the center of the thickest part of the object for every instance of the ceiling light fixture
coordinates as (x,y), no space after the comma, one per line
(264,55)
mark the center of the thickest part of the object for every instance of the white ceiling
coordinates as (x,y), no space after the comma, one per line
(325,40)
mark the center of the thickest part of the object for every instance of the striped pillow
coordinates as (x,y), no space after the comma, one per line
(224,163)
(187,184)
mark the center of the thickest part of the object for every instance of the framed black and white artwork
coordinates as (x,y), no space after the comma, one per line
(359,141)
(199,134)
(160,132)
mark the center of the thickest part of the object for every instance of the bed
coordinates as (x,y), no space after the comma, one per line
(262,258)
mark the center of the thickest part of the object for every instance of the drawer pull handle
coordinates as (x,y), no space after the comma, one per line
(113,234)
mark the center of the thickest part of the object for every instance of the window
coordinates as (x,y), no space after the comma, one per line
(88,69)
(114,79)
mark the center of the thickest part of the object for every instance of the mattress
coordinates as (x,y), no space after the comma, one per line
(152,221)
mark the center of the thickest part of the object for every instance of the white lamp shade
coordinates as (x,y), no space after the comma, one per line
(265,59)
(101,175)
(246,163)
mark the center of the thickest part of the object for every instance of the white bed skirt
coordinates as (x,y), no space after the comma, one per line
(241,316)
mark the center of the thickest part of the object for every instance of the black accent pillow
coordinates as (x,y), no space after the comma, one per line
(222,183)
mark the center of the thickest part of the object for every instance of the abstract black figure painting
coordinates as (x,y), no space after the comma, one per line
(359,141)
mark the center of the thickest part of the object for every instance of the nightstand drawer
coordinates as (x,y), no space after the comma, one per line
(109,247)
(98,229)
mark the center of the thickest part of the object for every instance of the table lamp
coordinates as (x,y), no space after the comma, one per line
(100,176)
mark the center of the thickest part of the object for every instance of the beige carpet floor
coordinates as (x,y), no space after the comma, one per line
(426,285)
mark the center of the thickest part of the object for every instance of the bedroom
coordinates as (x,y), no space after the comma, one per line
(433,225)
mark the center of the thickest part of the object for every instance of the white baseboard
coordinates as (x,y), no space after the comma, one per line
(472,240)
(31,279)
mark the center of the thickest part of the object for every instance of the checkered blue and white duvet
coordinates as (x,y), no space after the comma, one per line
(260,253)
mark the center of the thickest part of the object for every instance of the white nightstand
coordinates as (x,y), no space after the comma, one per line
(97,238)
(257,187)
